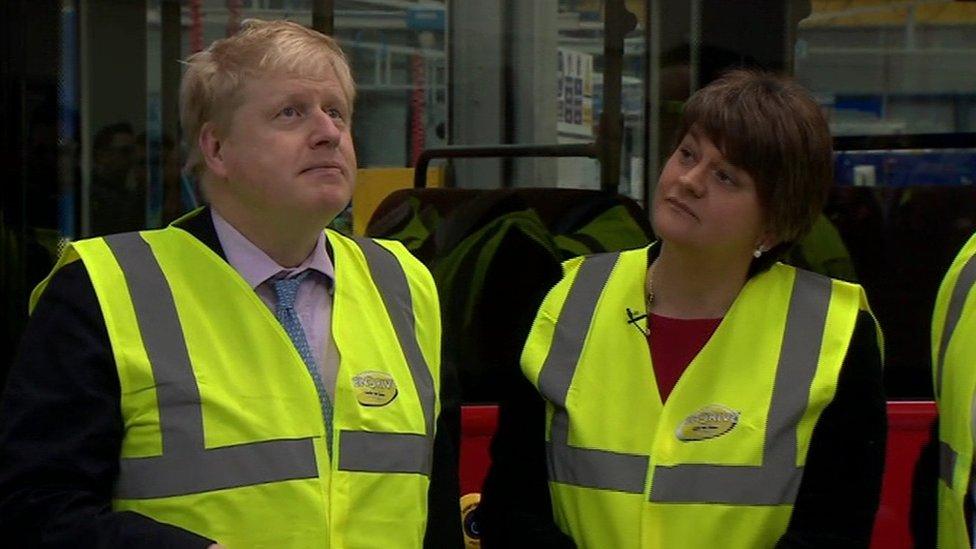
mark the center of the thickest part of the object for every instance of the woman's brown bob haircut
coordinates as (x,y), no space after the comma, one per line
(214,77)
(769,126)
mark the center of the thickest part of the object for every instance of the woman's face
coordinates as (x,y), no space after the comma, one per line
(704,203)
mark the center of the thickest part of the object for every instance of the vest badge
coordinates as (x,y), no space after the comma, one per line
(711,421)
(374,388)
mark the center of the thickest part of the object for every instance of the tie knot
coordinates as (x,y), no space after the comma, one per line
(286,289)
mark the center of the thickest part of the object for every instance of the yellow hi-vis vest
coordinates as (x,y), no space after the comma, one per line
(224,434)
(954,377)
(720,463)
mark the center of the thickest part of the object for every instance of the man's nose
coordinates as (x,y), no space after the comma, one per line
(326,131)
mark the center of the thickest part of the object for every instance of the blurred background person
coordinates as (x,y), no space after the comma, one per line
(117,201)
(954,376)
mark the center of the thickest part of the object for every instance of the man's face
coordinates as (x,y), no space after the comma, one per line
(288,154)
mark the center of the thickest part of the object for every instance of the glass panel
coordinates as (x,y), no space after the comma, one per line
(580,93)
(891,68)
(397,53)
(39,144)
(113,112)
(903,215)
(903,204)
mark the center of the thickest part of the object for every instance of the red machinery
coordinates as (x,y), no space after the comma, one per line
(908,431)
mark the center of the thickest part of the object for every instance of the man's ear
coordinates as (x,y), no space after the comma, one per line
(209,144)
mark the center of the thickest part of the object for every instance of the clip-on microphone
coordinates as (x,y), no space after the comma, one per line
(634,318)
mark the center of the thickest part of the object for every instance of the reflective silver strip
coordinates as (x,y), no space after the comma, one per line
(384,452)
(777,480)
(391,281)
(965,282)
(186,466)
(572,325)
(178,473)
(726,484)
(947,463)
(582,466)
(592,468)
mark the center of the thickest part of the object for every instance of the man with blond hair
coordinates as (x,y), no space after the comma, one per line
(244,377)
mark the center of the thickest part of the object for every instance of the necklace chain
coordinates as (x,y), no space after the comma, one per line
(649,290)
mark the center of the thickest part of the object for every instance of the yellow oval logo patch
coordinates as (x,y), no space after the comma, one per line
(711,421)
(374,388)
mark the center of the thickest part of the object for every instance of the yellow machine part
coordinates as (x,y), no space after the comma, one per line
(472,537)
(375,184)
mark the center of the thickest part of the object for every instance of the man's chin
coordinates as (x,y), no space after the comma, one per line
(327,213)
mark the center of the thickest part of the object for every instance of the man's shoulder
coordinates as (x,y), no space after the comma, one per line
(68,305)
(70,284)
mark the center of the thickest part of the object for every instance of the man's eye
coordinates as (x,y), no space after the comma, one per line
(335,113)
(289,112)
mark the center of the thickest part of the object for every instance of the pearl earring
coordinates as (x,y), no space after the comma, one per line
(758,252)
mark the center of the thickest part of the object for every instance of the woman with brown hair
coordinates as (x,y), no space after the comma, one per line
(697,392)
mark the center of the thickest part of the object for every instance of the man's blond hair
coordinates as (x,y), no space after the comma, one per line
(210,91)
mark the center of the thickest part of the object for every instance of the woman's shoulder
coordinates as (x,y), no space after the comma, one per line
(632,256)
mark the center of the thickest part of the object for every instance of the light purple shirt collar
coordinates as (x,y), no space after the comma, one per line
(254,265)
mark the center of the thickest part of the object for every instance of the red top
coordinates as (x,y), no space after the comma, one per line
(674,343)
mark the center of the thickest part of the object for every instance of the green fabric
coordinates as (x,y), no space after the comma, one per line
(614,230)
(823,251)
(420,225)
(458,288)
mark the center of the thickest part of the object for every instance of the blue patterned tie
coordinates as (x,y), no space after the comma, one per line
(287,290)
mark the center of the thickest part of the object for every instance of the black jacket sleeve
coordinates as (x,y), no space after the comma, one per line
(443,498)
(61,432)
(924,514)
(841,485)
(515,509)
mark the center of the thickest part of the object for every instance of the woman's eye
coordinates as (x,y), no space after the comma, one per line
(724,178)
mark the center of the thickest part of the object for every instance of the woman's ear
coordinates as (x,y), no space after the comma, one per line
(209,143)
(768,241)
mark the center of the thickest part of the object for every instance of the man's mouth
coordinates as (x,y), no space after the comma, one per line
(325,167)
